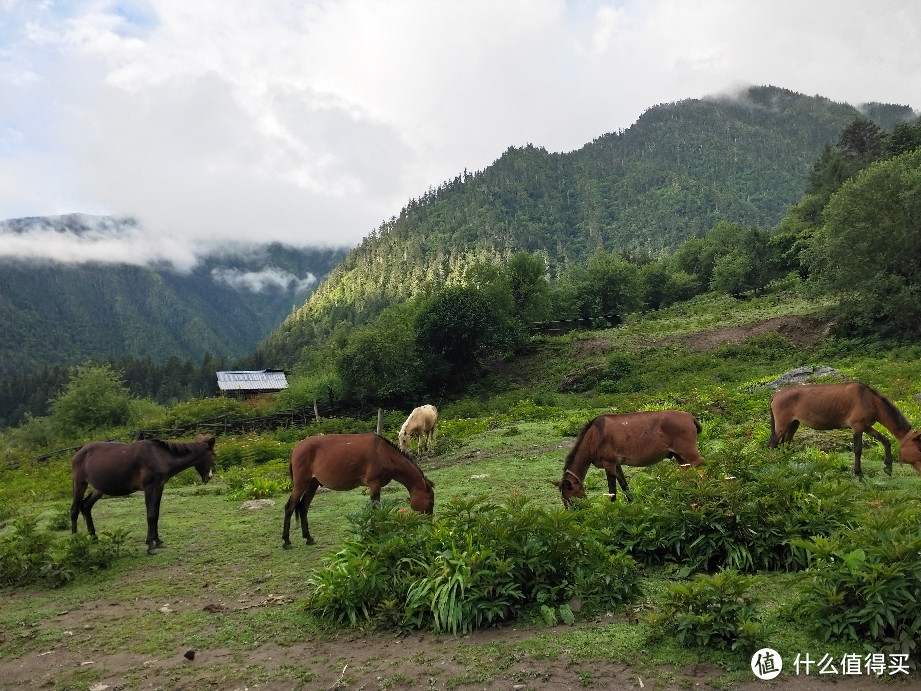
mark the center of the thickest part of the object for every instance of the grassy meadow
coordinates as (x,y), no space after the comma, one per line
(761,551)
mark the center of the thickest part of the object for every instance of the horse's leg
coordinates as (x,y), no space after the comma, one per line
(887,447)
(86,508)
(302,507)
(152,497)
(612,482)
(622,479)
(79,491)
(858,449)
(787,436)
(286,529)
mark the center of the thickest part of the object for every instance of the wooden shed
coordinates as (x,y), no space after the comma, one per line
(251,382)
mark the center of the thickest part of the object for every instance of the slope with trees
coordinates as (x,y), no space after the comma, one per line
(679,171)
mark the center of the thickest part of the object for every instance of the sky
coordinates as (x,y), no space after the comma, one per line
(311,122)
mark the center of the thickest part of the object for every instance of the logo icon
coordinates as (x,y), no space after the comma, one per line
(766,663)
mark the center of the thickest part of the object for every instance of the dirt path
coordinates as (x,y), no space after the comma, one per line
(489,659)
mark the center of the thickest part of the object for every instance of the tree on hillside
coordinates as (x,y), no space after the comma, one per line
(862,139)
(455,329)
(729,259)
(904,138)
(95,397)
(606,287)
(378,363)
(868,248)
(527,279)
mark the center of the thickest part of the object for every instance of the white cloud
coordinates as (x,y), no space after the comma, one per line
(312,121)
(266,279)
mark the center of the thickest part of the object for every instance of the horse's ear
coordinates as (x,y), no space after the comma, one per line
(211,441)
(555,483)
(431,484)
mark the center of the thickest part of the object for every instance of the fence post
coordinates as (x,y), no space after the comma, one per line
(316,413)
(380,421)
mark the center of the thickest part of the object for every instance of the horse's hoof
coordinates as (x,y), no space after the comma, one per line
(287,545)
(310,541)
(152,550)
(889,470)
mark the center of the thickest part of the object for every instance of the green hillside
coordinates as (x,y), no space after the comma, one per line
(679,170)
(64,314)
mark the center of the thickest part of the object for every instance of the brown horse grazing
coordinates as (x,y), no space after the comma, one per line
(345,461)
(839,406)
(121,469)
(635,439)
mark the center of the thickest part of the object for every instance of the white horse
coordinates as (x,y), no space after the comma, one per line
(421,423)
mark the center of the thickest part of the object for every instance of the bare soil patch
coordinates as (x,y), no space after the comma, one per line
(802,331)
(487,659)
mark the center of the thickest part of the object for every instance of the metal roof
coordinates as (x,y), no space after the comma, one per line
(252,380)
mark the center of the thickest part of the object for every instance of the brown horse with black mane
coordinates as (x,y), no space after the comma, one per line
(345,461)
(839,406)
(635,439)
(120,469)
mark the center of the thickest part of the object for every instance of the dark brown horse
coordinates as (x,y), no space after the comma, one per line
(345,461)
(121,469)
(839,406)
(635,439)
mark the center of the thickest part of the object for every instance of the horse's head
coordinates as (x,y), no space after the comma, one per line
(570,487)
(422,497)
(910,450)
(403,439)
(205,464)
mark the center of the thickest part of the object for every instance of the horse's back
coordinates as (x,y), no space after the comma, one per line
(422,418)
(646,437)
(827,406)
(337,461)
(110,467)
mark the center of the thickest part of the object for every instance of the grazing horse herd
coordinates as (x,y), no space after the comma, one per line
(346,461)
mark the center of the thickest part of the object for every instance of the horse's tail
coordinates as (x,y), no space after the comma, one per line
(772,440)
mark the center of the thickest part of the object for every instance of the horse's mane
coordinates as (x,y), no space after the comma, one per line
(401,452)
(891,408)
(178,448)
(571,456)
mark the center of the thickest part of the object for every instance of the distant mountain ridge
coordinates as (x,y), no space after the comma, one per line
(60,313)
(679,170)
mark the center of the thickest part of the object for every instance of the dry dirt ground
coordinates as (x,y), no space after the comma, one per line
(376,661)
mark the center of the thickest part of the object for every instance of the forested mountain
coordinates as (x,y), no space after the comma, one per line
(56,314)
(679,170)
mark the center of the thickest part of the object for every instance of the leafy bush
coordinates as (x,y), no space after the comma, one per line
(717,610)
(29,555)
(476,564)
(864,583)
(257,483)
(739,514)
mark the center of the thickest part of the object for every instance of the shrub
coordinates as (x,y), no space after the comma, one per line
(29,555)
(864,583)
(717,610)
(739,514)
(257,483)
(477,564)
